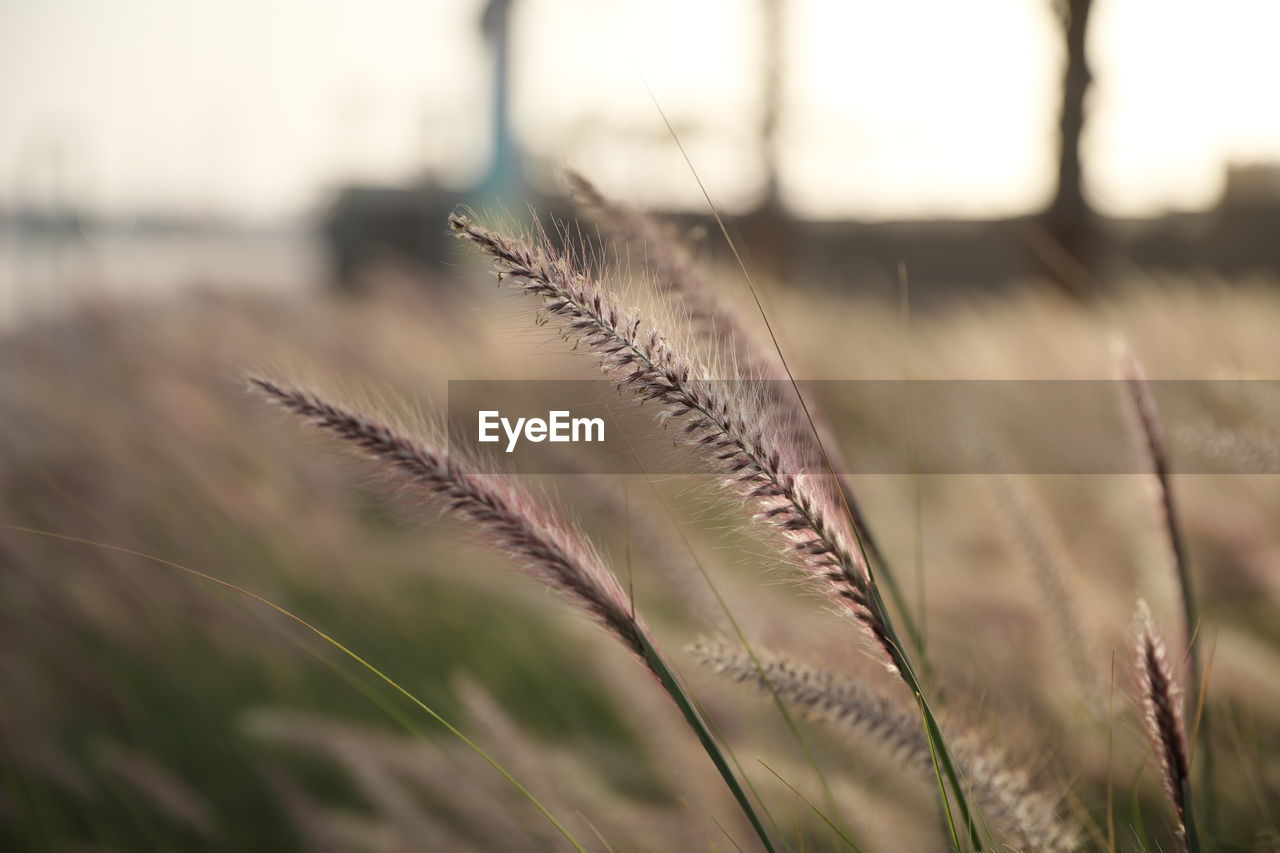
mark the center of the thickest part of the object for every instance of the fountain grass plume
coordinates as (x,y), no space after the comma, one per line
(676,273)
(521,525)
(677,276)
(1162,713)
(1146,416)
(1026,817)
(510,517)
(758,462)
(714,418)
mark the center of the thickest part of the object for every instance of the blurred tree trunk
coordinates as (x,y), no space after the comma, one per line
(1069,220)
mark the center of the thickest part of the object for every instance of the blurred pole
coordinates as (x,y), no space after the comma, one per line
(1070,221)
(772,96)
(768,227)
(504,180)
(44,218)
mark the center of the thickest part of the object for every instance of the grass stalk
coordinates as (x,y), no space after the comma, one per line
(668,680)
(741,636)
(518,523)
(1164,723)
(759,465)
(345,650)
(1153,441)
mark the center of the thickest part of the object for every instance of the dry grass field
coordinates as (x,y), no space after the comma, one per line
(147,707)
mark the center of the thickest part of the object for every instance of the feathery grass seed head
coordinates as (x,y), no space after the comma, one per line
(756,461)
(1162,711)
(514,520)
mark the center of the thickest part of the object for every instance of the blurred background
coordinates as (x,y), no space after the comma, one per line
(281,144)
(192,190)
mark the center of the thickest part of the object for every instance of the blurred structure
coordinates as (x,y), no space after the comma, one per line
(1252,187)
(505,177)
(1068,243)
(368,224)
(768,228)
(1238,238)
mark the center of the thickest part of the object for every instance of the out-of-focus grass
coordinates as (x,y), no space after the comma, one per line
(122,679)
(109,434)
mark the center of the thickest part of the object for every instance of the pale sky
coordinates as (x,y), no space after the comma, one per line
(911,108)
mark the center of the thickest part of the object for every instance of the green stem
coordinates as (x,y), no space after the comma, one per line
(862,531)
(668,680)
(1191,619)
(294,617)
(942,755)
